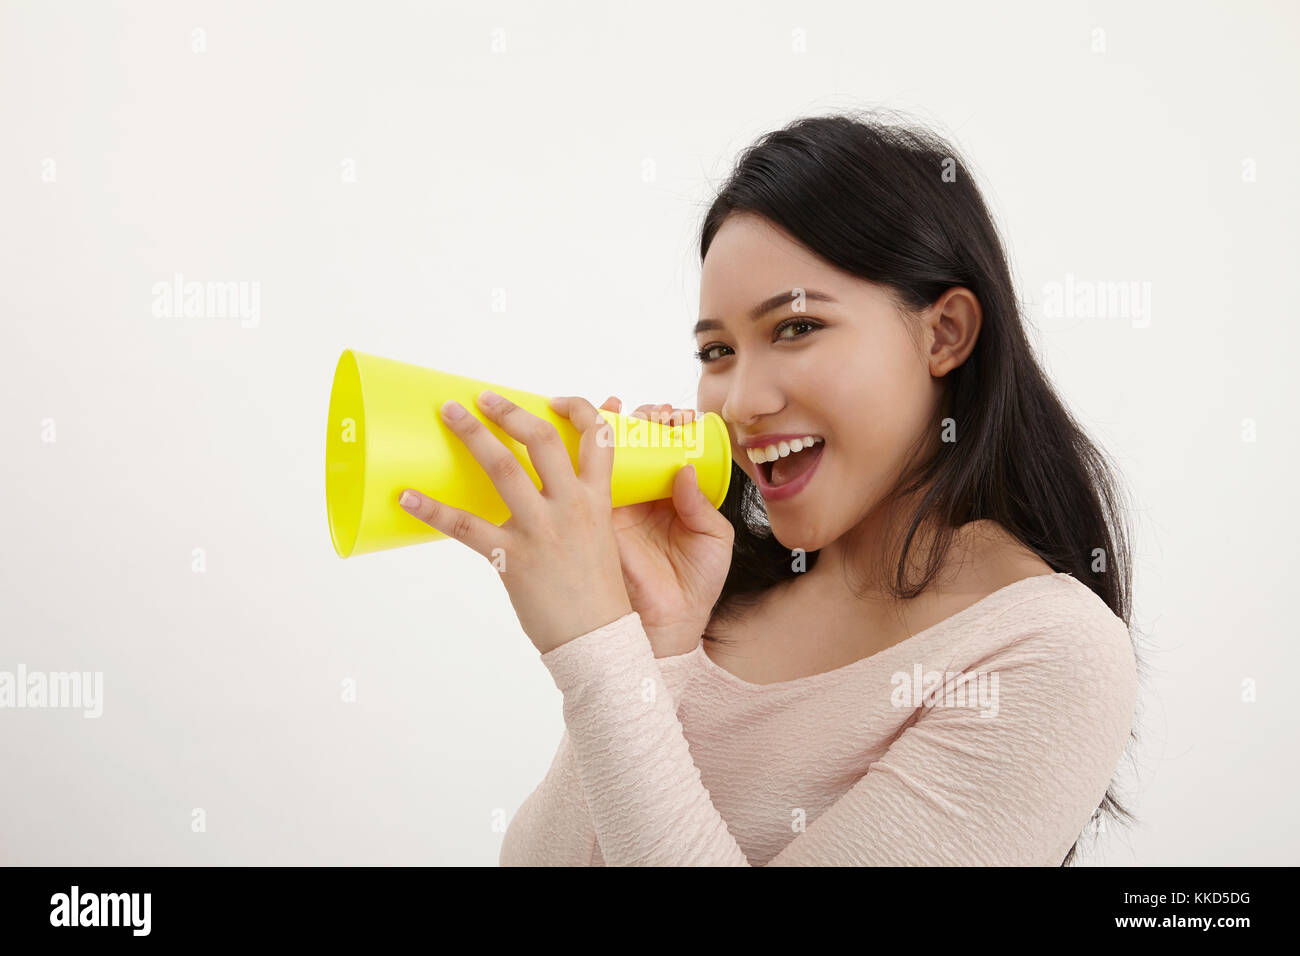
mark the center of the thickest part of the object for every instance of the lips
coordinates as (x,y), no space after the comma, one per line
(796,471)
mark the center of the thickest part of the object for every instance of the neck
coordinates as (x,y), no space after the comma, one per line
(863,562)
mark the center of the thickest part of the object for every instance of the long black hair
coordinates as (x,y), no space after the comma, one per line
(894,203)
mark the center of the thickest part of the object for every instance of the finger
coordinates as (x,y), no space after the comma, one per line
(506,472)
(694,509)
(665,414)
(596,447)
(480,535)
(546,449)
(612,404)
(577,410)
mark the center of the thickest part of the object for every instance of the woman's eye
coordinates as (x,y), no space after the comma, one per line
(792,324)
(706,355)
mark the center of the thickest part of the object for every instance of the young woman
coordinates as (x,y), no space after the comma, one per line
(903,639)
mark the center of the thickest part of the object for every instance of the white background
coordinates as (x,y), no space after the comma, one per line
(524,170)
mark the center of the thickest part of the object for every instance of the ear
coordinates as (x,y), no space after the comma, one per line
(952,326)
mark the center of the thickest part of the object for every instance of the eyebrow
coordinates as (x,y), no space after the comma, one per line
(764,307)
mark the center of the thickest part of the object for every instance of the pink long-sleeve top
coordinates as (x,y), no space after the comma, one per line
(987,739)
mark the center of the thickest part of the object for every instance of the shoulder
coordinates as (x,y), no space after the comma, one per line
(1060,609)
(1057,712)
(1039,614)
(1055,634)
(986,557)
(989,560)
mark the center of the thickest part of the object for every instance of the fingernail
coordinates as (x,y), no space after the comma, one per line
(409,500)
(452,410)
(489,397)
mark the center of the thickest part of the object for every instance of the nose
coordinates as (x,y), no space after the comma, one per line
(751,395)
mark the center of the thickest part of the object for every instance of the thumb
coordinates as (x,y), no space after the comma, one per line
(694,509)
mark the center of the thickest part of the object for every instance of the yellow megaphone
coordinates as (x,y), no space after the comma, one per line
(385,434)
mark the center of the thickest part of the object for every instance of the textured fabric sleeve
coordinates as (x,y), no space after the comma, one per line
(647,802)
(553,826)
(1008,785)
(958,787)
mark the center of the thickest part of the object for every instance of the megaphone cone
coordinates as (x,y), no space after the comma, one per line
(385,434)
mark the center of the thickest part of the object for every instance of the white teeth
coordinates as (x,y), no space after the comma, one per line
(781,450)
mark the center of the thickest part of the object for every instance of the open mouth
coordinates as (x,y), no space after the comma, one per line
(790,466)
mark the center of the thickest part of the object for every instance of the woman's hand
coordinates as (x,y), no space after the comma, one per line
(675,552)
(560,557)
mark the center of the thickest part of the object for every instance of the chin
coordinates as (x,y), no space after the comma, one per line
(803,537)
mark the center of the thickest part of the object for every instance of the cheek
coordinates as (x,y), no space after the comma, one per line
(882,381)
(709,396)
(879,394)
